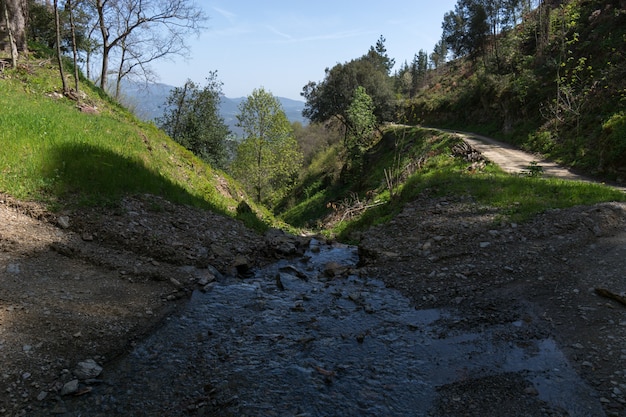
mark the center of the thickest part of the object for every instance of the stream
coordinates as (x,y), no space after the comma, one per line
(292,341)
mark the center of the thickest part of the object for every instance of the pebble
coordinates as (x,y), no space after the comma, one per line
(70,387)
(87,369)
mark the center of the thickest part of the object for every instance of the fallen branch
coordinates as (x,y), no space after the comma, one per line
(608,294)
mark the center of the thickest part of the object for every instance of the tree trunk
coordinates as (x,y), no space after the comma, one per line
(57,25)
(106,47)
(68,7)
(15,12)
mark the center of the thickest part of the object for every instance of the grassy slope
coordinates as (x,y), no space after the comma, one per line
(53,152)
(325,199)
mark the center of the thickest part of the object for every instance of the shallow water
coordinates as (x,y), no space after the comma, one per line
(320,346)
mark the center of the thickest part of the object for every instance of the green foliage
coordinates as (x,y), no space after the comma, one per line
(331,97)
(361,123)
(268,158)
(428,168)
(192,118)
(613,141)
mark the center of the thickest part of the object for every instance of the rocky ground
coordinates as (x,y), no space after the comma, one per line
(78,289)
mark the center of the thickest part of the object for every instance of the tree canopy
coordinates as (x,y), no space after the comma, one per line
(192,118)
(332,96)
(268,158)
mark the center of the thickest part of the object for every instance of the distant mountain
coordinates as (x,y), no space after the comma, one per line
(148,101)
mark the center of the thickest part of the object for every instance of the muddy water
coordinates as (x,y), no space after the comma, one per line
(292,342)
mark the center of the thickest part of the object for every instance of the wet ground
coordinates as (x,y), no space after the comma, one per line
(294,340)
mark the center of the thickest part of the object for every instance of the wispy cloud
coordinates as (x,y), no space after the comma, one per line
(321,37)
(230,16)
(279,33)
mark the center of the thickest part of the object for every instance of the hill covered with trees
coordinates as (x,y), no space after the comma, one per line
(545,75)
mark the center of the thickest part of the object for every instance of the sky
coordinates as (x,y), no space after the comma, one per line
(281,45)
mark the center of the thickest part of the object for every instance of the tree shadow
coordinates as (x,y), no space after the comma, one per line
(83,174)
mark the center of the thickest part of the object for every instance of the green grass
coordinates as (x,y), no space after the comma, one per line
(516,198)
(52,152)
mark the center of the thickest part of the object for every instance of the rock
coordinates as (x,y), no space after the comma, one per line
(242,265)
(334,269)
(176,283)
(42,396)
(70,387)
(64,222)
(205,277)
(87,369)
(13,269)
(485,244)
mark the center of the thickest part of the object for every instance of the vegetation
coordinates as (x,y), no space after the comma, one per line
(53,152)
(548,76)
(192,119)
(428,165)
(268,158)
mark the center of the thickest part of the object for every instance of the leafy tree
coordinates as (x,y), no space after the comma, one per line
(361,123)
(439,54)
(268,158)
(331,97)
(192,119)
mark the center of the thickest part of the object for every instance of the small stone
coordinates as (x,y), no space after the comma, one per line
(531,391)
(27,348)
(64,222)
(42,396)
(485,244)
(13,269)
(587,364)
(175,282)
(70,387)
(87,369)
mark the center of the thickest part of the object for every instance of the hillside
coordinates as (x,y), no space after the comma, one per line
(554,85)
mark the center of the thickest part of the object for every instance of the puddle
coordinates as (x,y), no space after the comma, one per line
(319,346)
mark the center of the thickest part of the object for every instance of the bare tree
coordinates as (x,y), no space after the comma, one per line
(144,31)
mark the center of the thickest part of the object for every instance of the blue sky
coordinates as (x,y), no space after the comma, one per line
(282,45)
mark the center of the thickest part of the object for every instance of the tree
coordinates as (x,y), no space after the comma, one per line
(378,55)
(268,158)
(361,123)
(439,54)
(144,30)
(331,97)
(14,14)
(57,26)
(192,119)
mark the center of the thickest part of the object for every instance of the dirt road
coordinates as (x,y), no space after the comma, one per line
(516,161)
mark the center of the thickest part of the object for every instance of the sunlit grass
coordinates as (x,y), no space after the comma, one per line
(51,151)
(516,198)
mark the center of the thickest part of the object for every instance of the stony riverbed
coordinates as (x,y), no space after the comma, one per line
(309,338)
